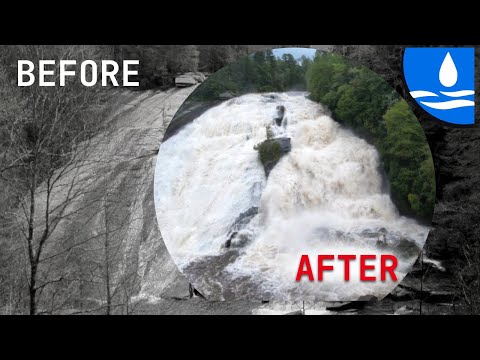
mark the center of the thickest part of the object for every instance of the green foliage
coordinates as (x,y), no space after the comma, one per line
(269,151)
(260,72)
(214,57)
(364,102)
(408,161)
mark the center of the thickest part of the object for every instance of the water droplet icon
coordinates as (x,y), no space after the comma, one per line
(448,72)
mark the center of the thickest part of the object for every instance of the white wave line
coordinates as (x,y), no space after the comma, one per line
(421,93)
(447,105)
(458,93)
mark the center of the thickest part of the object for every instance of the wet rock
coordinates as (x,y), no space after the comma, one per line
(374,233)
(210,276)
(280,115)
(271,151)
(177,291)
(407,248)
(270,97)
(381,245)
(234,239)
(244,218)
(237,241)
(229,241)
(403,247)
(240,241)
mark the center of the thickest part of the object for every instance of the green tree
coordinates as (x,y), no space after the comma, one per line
(364,102)
(260,72)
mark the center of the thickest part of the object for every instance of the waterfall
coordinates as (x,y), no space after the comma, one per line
(324,196)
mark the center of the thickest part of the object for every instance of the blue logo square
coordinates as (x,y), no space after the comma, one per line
(442,82)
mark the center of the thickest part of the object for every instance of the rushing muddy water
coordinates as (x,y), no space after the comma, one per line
(326,196)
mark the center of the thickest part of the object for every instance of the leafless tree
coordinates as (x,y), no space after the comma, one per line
(468,266)
(469,278)
(114,263)
(44,166)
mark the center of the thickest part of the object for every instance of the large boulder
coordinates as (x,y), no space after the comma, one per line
(271,151)
(185,81)
(189,79)
(279,115)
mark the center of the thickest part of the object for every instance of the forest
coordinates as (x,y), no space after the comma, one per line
(365,103)
(259,72)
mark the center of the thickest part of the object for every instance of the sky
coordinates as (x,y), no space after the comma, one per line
(296,52)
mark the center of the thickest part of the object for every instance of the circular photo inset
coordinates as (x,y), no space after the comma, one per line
(293,174)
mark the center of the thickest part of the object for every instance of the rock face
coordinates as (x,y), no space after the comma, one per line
(271,151)
(244,218)
(189,79)
(402,247)
(280,114)
(235,240)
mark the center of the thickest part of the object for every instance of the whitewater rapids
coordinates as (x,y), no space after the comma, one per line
(326,196)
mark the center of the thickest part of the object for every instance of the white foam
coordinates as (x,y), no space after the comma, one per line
(318,198)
